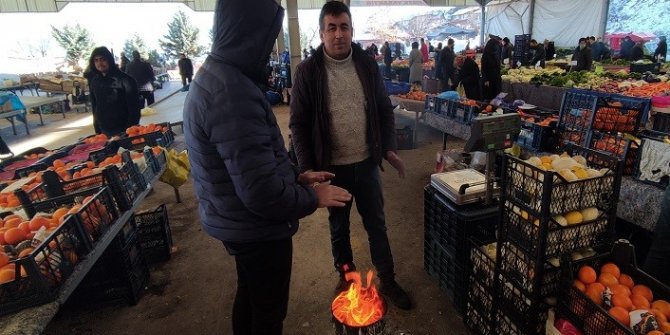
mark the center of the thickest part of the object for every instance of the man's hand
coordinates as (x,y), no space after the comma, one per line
(311,177)
(396,162)
(331,196)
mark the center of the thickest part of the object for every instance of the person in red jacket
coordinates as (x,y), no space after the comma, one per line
(424,51)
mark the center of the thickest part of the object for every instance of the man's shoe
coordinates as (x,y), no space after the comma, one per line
(395,294)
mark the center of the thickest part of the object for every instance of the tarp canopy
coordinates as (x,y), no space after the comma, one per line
(563,22)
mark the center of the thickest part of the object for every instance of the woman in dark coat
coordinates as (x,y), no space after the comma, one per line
(491,76)
(469,77)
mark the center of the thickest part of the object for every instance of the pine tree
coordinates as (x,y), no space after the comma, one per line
(182,37)
(135,43)
(75,40)
(155,59)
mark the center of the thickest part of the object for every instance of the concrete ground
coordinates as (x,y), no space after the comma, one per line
(193,292)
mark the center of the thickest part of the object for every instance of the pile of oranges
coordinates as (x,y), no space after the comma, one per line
(96,139)
(414,95)
(37,156)
(141,130)
(624,296)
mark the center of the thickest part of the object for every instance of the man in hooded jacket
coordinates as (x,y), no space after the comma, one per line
(114,95)
(249,193)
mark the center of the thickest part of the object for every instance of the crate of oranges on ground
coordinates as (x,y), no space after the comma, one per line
(39,254)
(605,294)
(148,135)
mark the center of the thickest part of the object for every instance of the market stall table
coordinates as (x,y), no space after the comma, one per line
(39,102)
(414,106)
(549,97)
(11,107)
(447,126)
(33,321)
(29,86)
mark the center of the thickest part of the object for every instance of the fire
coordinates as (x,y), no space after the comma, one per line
(359,306)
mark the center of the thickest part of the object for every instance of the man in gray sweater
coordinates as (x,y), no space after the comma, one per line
(342,121)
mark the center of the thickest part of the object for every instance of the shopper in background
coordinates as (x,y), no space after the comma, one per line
(657,259)
(626,48)
(638,51)
(185,71)
(469,76)
(506,54)
(249,193)
(597,48)
(115,99)
(124,62)
(539,56)
(415,65)
(661,50)
(446,71)
(342,121)
(398,51)
(143,73)
(424,50)
(491,76)
(549,50)
(436,56)
(582,56)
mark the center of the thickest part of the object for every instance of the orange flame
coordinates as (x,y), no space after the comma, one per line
(358,306)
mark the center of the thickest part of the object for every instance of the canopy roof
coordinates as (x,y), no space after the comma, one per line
(14,6)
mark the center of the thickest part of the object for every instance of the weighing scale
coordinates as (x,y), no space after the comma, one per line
(489,134)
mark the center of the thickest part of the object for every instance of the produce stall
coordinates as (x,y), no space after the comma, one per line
(64,209)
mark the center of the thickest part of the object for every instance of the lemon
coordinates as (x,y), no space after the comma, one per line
(581,173)
(560,219)
(590,213)
(574,217)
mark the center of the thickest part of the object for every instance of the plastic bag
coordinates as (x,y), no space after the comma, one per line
(460,89)
(178,168)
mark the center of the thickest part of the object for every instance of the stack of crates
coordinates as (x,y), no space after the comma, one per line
(448,229)
(532,238)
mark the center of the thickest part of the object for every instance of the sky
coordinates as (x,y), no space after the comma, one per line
(112,24)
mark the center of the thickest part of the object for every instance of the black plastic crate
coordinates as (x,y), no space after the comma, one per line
(519,309)
(160,138)
(504,325)
(452,226)
(520,268)
(97,210)
(616,112)
(618,146)
(154,234)
(457,111)
(159,161)
(39,276)
(654,68)
(574,120)
(483,266)
(583,312)
(479,308)
(661,123)
(652,147)
(524,230)
(545,194)
(431,104)
(405,138)
(443,267)
(535,137)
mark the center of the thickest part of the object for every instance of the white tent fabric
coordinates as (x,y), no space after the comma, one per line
(563,22)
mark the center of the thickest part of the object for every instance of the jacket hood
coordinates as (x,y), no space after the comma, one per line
(244,34)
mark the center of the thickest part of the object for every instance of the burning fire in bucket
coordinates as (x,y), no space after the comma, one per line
(359,306)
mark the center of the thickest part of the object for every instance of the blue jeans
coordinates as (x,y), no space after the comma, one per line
(362,180)
(657,259)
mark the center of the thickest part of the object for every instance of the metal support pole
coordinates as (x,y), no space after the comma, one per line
(605,17)
(532,18)
(281,44)
(482,29)
(293,34)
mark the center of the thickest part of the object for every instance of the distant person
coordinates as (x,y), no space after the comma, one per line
(124,62)
(626,48)
(143,73)
(249,194)
(431,48)
(582,56)
(491,75)
(597,48)
(549,50)
(661,50)
(285,57)
(398,51)
(424,51)
(415,65)
(446,72)
(185,70)
(539,56)
(115,99)
(469,76)
(638,51)
(467,45)
(388,59)
(507,52)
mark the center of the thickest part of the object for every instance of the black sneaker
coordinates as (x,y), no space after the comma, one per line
(395,294)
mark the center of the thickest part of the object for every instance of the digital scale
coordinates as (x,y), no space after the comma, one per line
(489,134)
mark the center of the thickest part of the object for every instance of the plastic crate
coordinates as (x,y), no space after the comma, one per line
(583,312)
(483,266)
(479,308)
(119,274)
(458,111)
(94,216)
(618,146)
(443,267)
(394,87)
(661,123)
(652,147)
(159,161)
(544,194)
(518,310)
(152,139)
(155,236)
(405,138)
(535,137)
(453,226)
(520,267)
(525,233)
(40,274)
(654,68)
(636,110)
(431,104)
(574,120)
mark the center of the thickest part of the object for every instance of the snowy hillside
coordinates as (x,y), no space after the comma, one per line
(648,16)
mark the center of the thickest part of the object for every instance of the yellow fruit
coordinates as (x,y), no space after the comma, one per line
(534,161)
(546,166)
(589,214)
(546,159)
(524,215)
(579,159)
(568,175)
(581,173)
(574,217)
(593,173)
(560,219)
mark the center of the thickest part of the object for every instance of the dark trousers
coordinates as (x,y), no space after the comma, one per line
(147,96)
(263,277)
(184,78)
(657,259)
(362,180)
